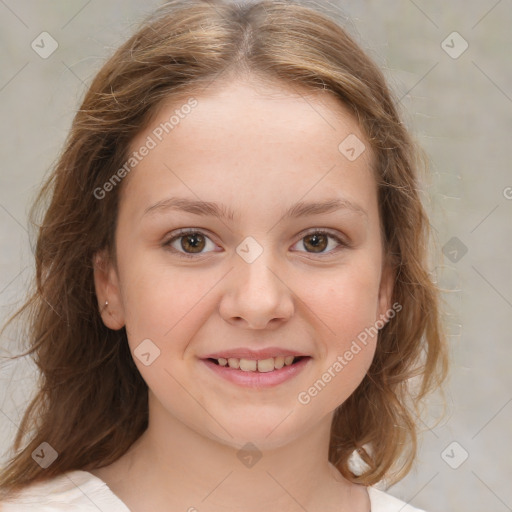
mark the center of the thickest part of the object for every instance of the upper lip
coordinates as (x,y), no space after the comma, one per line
(247,353)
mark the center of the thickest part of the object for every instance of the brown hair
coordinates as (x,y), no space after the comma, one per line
(91,403)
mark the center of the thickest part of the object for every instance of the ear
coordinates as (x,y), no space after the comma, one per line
(106,282)
(387,282)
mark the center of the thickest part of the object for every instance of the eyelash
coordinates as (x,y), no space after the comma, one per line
(184,232)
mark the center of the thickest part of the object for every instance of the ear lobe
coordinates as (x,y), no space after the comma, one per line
(106,283)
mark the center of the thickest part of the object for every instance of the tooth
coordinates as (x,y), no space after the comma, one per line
(248,365)
(288,360)
(278,362)
(266,365)
(261,365)
(234,362)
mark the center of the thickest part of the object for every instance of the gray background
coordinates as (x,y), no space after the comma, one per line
(460,109)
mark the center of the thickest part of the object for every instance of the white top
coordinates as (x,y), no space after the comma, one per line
(81,491)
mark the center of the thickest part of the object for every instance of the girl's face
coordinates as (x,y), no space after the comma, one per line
(271,262)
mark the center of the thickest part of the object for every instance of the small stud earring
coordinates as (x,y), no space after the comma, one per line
(106,303)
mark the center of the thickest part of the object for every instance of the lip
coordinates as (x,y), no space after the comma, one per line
(257,379)
(247,353)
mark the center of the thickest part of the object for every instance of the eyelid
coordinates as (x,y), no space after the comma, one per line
(326,231)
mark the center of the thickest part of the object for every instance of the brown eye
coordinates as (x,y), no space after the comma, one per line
(317,242)
(320,242)
(193,243)
(188,243)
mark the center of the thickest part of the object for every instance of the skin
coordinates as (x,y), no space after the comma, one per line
(258,149)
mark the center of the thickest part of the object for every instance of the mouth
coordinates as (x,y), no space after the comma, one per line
(269,364)
(257,373)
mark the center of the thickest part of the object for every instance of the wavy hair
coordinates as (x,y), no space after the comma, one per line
(91,403)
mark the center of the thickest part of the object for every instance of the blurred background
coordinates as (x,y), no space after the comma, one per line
(450,66)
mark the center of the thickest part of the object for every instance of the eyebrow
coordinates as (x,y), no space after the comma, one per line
(220,211)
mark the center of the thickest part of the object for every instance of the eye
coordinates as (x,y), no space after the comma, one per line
(189,242)
(317,241)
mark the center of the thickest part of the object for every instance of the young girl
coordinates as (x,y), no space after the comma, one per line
(232,278)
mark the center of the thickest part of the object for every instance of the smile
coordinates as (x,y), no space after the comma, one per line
(257,373)
(257,365)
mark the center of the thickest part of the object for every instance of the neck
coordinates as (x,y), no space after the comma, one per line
(181,469)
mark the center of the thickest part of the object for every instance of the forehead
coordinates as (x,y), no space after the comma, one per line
(246,138)
(262,109)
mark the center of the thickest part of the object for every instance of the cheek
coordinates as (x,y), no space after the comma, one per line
(346,334)
(165,305)
(346,302)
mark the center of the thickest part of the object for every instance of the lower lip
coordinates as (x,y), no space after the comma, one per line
(258,379)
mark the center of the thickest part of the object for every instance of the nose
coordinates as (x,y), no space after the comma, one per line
(256,296)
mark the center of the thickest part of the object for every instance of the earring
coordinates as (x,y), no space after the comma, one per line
(106,303)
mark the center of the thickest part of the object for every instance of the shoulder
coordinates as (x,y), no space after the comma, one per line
(383,502)
(74,490)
